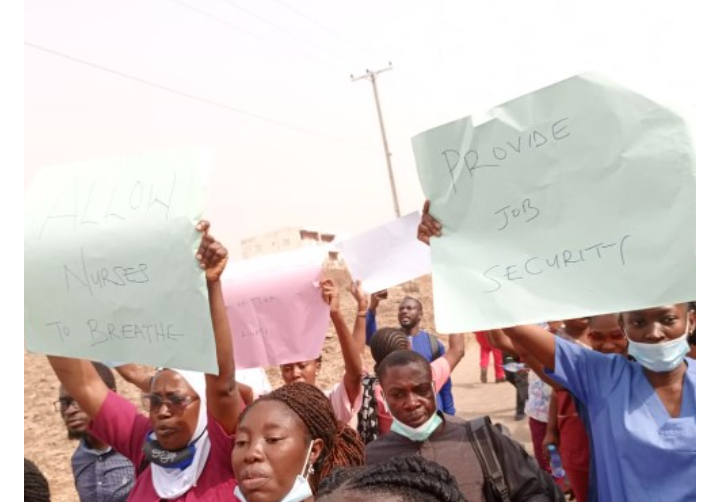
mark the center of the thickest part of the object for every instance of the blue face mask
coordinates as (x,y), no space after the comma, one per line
(660,357)
(300,491)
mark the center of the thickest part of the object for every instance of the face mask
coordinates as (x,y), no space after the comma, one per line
(421,433)
(660,357)
(180,459)
(301,490)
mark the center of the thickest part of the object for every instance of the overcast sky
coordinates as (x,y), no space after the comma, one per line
(267,85)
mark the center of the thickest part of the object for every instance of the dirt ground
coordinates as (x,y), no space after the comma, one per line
(47,445)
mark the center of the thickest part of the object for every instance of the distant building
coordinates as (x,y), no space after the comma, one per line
(286,239)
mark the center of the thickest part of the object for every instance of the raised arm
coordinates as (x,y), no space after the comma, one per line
(137,375)
(371,319)
(538,342)
(358,333)
(81,381)
(455,352)
(350,354)
(223,397)
(499,339)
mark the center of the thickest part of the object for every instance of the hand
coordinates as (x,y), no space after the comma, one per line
(211,254)
(355,288)
(375,298)
(330,295)
(428,227)
(549,438)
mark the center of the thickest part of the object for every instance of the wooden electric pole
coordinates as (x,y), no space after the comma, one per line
(372,76)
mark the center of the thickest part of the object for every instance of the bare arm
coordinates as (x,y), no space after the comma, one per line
(246,393)
(223,397)
(455,352)
(81,381)
(538,342)
(358,333)
(552,434)
(350,354)
(137,375)
(499,339)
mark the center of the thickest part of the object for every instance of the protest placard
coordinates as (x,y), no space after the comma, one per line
(574,200)
(387,255)
(275,308)
(110,267)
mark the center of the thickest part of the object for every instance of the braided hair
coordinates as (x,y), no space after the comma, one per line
(36,486)
(342,444)
(412,479)
(385,341)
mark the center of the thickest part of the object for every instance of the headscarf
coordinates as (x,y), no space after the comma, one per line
(170,483)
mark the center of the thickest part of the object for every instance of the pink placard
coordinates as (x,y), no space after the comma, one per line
(275,308)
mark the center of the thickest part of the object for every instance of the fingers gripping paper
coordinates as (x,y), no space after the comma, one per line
(574,200)
(110,268)
(387,255)
(275,308)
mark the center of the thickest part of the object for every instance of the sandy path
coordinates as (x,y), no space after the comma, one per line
(472,398)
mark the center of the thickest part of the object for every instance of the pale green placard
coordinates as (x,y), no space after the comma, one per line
(577,199)
(110,268)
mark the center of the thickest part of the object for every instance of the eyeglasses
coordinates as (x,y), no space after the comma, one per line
(64,403)
(174,402)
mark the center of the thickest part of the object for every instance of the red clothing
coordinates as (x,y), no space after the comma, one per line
(573,445)
(120,425)
(485,348)
(539,430)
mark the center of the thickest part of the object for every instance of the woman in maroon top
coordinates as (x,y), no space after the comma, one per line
(182,451)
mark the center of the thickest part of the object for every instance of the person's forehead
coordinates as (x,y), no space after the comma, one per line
(604,323)
(267,415)
(658,311)
(412,373)
(63,391)
(298,363)
(170,381)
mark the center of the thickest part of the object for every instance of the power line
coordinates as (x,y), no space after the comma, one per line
(177,91)
(328,30)
(278,27)
(263,39)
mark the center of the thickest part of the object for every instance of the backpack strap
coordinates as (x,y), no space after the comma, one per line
(478,433)
(434,346)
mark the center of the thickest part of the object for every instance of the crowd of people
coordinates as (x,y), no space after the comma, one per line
(614,393)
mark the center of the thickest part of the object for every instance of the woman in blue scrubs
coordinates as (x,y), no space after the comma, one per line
(642,412)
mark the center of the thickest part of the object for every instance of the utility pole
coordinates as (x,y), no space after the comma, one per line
(372,76)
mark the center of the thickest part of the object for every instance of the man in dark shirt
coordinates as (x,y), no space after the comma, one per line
(419,428)
(101,474)
(409,316)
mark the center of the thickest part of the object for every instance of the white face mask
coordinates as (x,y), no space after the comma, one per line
(421,433)
(301,490)
(661,357)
